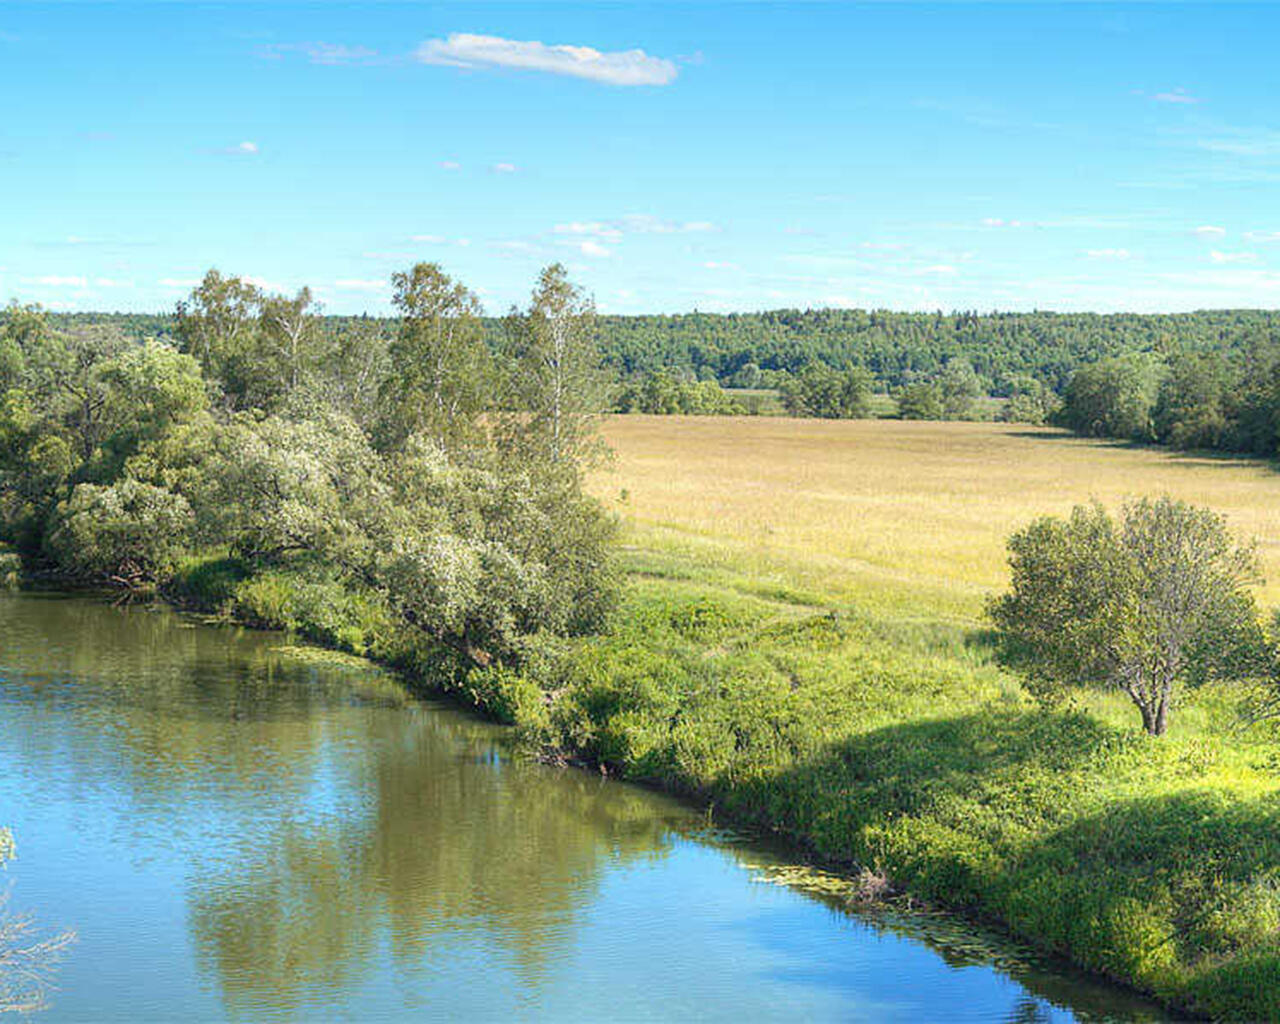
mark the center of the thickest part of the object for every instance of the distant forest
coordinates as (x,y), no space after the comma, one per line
(753,349)
(1205,380)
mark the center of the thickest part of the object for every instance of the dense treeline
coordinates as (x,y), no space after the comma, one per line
(411,494)
(750,349)
(934,365)
(1214,400)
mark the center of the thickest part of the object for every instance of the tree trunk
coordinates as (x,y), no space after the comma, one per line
(1155,716)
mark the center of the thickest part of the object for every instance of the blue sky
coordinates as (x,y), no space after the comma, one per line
(718,157)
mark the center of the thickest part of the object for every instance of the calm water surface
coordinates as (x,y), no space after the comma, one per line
(237,832)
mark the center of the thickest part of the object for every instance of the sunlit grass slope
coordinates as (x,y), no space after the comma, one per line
(802,643)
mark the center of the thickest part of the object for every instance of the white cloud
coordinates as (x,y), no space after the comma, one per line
(1241,140)
(599,229)
(1265,237)
(241,149)
(504,168)
(179,282)
(320,53)
(647,224)
(631,224)
(338,53)
(1233,257)
(1175,96)
(1210,231)
(624,67)
(590,248)
(262,284)
(111,282)
(429,239)
(1108,254)
(58,281)
(717,265)
(450,165)
(357,284)
(1000,222)
(940,269)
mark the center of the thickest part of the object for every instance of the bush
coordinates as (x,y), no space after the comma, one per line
(129,530)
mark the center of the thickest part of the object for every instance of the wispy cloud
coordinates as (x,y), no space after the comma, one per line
(623,67)
(1265,237)
(241,149)
(333,54)
(450,165)
(1210,231)
(647,224)
(596,228)
(1239,140)
(58,281)
(85,242)
(1233,257)
(359,284)
(633,224)
(593,249)
(1108,254)
(504,168)
(262,284)
(1000,222)
(178,282)
(1176,96)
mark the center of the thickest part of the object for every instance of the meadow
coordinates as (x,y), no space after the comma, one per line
(802,644)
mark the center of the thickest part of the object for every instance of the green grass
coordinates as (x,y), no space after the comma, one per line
(802,645)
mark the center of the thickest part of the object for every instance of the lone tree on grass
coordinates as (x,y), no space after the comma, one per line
(1154,601)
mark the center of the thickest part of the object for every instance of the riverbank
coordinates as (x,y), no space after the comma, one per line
(815,681)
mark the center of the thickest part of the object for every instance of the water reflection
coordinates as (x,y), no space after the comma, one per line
(260,835)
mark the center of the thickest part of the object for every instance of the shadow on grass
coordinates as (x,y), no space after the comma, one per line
(1193,457)
(922,769)
(1029,818)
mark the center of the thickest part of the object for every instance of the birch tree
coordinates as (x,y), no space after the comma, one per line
(439,368)
(289,329)
(559,385)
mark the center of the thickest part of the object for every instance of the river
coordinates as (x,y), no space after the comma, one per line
(241,829)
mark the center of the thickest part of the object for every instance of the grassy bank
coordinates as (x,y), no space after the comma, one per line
(804,644)
(801,644)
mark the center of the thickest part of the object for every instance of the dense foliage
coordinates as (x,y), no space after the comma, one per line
(1208,379)
(1157,601)
(415,478)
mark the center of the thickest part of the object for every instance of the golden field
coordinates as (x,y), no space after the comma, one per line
(914,512)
